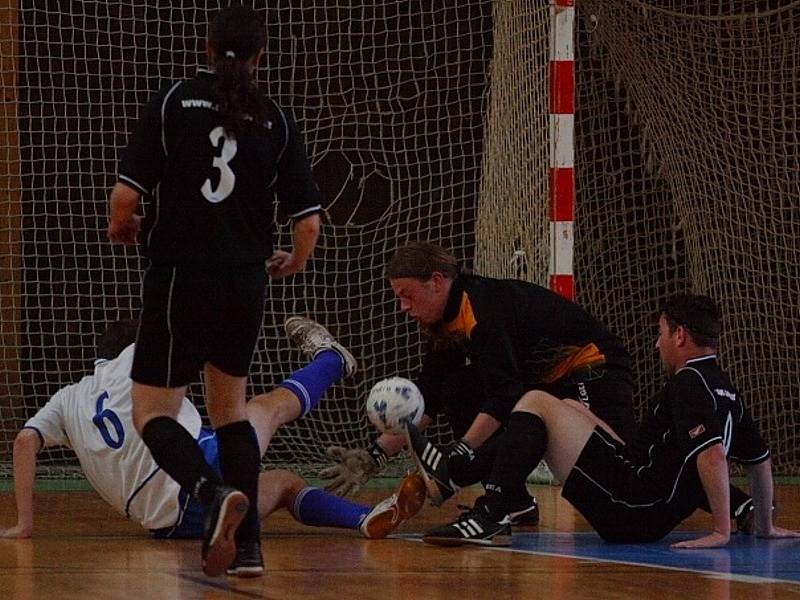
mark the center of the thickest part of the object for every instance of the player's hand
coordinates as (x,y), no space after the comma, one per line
(713,540)
(778,532)
(355,467)
(17,532)
(282,264)
(125,232)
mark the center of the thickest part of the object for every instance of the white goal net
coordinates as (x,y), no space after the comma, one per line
(424,121)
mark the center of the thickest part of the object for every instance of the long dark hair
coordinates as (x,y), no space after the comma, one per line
(419,260)
(237,34)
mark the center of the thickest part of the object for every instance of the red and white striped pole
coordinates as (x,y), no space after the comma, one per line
(562,146)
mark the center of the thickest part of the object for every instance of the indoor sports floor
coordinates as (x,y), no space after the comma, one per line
(81,549)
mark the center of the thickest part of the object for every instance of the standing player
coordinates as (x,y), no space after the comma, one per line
(490,341)
(94,418)
(210,152)
(639,492)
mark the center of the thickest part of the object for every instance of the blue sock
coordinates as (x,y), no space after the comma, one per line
(313,380)
(319,508)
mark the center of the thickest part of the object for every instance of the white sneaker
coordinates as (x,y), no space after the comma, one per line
(311,338)
(390,513)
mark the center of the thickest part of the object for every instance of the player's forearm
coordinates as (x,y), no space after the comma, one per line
(304,238)
(761,489)
(712,467)
(482,428)
(26,445)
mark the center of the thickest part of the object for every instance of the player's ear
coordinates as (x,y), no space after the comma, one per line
(211,51)
(681,335)
(438,280)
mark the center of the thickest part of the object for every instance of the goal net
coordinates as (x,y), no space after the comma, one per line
(689,180)
(391,97)
(423,121)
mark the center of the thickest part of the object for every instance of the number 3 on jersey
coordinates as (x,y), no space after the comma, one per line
(227,178)
(101,417)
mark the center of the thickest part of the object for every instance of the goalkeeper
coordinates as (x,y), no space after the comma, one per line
(490,341)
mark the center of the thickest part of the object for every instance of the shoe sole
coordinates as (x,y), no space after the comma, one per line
(222,545)
(246,572)
(347,357)
(430,484)
(498,540)
(410,499)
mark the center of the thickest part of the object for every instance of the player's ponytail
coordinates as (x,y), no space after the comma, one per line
(237,35)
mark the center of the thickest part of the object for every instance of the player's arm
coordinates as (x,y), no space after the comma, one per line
(483,427)
(355,466)
(762,490)
(712,467)
(502,389)
(26,445)
(123,222)
(304,239)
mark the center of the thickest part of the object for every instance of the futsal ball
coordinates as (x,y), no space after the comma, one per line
(393,402)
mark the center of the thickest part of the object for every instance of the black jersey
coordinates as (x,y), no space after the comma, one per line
(212,193)
(520,336)
(698,407)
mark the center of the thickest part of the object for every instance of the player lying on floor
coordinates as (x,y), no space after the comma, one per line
(93,417)
(677,463)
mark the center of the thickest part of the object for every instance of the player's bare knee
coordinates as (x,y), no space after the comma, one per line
(285,481)
(535,402)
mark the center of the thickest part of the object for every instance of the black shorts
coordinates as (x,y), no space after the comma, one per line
(622,508)
(191,316)
(607,392)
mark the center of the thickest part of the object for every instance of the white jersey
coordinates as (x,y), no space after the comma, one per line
(93,417)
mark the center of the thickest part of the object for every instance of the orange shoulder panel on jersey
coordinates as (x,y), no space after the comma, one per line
(465,320)
(587,356)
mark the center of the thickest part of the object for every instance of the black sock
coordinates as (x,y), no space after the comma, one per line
(522,447)
(240,462)
(464,473)
(177,453)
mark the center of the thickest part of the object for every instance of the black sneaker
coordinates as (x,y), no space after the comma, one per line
(432,465)
(476,526)
(223,516)
(249,561)
(526,517)
(745,519)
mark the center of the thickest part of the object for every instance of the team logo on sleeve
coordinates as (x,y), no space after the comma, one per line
(695,431)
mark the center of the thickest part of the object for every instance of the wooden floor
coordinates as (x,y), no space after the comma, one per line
(81,549)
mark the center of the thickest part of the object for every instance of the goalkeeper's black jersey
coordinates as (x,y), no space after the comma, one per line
(212,194)
(520,336)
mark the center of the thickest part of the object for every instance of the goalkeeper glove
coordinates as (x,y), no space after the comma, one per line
(354,468)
